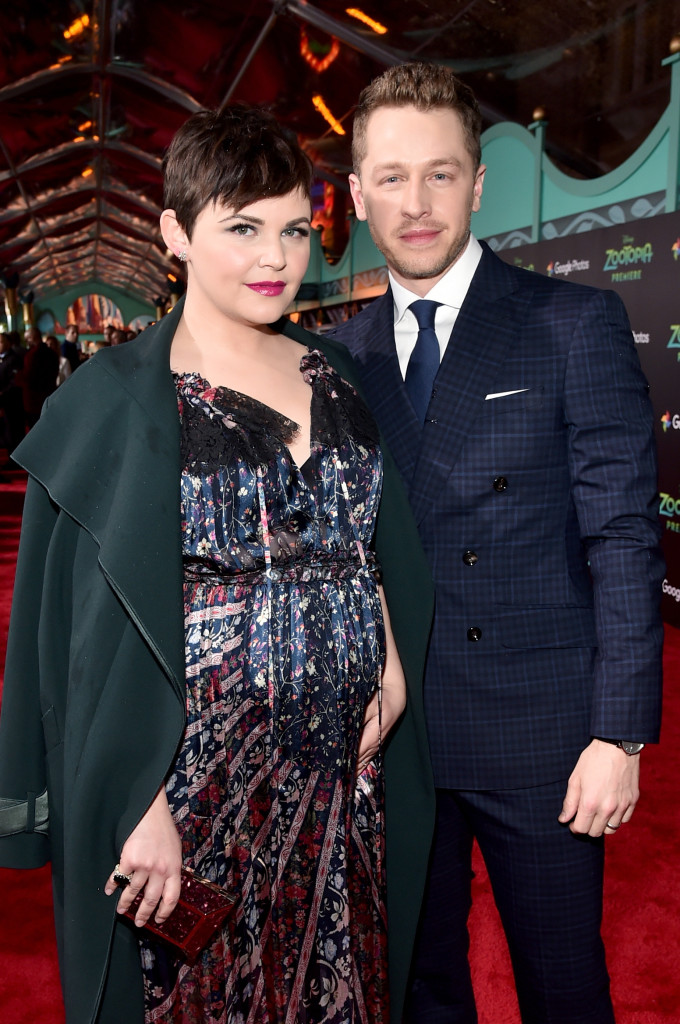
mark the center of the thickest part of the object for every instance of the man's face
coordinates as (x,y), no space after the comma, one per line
(417,190)
(71,333)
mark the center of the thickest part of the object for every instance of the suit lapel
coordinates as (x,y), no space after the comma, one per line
(374,352)
(485,329)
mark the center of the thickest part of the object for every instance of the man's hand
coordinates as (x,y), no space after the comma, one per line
(603,790)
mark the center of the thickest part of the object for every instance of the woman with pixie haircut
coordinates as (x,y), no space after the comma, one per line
(201,669)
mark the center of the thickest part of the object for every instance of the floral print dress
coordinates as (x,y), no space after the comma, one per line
(284,649)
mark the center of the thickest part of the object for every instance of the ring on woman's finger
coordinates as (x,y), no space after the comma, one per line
(613,827)
(120,878)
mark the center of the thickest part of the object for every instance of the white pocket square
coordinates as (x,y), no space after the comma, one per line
(504,394)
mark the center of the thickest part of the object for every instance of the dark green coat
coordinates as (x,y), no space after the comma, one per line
(93,705)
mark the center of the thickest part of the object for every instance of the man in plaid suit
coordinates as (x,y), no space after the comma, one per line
(519,417)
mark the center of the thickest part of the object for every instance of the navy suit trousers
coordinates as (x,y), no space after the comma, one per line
(547,884)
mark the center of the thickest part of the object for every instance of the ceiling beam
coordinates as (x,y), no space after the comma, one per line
(65,149)
(27,202)
(116,69)
(47,198)
(264,32)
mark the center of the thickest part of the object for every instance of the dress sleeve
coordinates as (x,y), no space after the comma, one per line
(22,746)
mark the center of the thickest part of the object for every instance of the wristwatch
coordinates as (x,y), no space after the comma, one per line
(629,747)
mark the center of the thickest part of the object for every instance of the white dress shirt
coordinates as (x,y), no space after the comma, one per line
(449,291)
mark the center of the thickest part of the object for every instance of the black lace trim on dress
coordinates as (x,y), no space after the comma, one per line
(345,415)
(220,426)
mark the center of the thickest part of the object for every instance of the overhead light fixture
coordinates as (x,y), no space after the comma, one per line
(354,12)
(87,172)
(318,63)
(320,105)
(77,27)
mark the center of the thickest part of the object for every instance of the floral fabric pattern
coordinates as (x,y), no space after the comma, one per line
(284,649)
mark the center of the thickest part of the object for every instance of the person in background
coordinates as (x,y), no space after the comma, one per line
(38,376)
(64,366)
(17,348)
(201,668)
(520,420)
(70,348)
(11,402)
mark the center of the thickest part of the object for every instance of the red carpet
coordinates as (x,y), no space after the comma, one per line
(642,894)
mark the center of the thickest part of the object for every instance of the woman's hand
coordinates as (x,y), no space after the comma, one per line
(393,699)
(152,856)
(393,704)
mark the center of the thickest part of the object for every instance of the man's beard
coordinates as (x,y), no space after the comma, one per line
(421,264)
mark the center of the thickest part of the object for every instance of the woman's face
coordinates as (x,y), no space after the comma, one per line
(248,265)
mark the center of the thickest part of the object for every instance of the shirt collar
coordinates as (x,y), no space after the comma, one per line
(450,290)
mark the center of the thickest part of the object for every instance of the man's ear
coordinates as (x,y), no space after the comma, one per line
(357,196)
(478,187)
(173,235)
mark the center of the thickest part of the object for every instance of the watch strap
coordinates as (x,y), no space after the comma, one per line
(629,747)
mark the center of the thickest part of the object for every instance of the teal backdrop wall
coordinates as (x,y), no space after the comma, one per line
(57,303)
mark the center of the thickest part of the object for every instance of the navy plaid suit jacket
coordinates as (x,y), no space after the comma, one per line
(538,513)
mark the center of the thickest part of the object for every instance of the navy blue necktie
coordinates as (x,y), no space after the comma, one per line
(424,362)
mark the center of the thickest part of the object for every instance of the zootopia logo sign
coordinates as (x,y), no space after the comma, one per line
(670,508)
(627,256)
(674,341)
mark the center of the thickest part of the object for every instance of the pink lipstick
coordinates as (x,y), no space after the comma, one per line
(273,288)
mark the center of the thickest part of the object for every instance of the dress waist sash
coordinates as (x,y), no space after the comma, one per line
(339,566)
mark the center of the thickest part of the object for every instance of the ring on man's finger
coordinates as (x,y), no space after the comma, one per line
(120,878)
(613,827)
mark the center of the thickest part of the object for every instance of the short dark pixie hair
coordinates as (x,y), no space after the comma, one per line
(425,87)
(233,156)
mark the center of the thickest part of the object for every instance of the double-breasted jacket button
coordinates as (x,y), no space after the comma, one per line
(500,484)
(474,633)
(470,557)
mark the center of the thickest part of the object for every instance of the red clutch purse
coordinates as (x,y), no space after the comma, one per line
(202,908)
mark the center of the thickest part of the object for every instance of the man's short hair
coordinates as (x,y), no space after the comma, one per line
(234,156)
(426,87)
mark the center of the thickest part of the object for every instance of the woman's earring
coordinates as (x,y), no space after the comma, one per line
(182,256)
